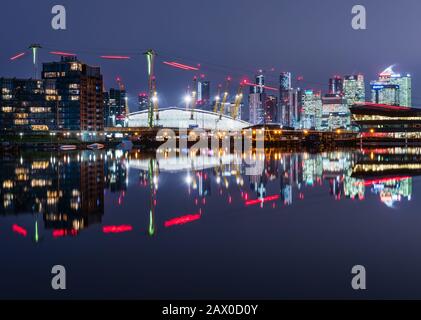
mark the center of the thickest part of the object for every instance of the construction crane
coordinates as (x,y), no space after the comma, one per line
(238,99)
(153,95)
(225,97)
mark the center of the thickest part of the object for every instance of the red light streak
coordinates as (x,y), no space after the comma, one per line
(180,65)
(258,201)
(256,85)
(182,220)
(64,54)
(20,55)
(115,57)
(117,229)
(19,230)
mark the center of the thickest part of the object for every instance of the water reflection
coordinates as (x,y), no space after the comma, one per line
(65,191)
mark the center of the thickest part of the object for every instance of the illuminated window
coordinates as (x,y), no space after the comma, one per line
(7,109)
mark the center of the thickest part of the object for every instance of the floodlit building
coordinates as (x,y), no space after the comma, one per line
(335,112)
(354,89)
(392,88)
(115,108)
(312,109)
(77,89)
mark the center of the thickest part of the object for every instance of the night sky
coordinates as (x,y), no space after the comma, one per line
(227,37)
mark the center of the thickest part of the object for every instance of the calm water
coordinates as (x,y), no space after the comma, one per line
(126,225)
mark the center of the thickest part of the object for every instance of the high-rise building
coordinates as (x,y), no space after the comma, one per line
(312,109)
(392,88)
(77,89)
(354,89)
(24,107)
(335,112)
(285,99)
(336,85)
(260,85)
(270,109)
(115,102)
(203,94)
(143,101)
(256,111)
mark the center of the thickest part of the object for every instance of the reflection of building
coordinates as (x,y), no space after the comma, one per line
(68,190)
(392,88)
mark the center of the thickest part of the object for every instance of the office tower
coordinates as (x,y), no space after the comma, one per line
(203,94)
(260,85)
(336,85)
(256,111)
(115,102)
(312,109)
(354,89)
(335,112)
(24,107)
(270,109)
(285,100)
(392,88)
(77,89)
(143,101)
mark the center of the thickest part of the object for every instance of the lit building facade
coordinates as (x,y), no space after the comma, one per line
(312,109)
(256,110)
(354,89)
(270,109)
(392,89)
(115,107)
(335,112)
(77,90)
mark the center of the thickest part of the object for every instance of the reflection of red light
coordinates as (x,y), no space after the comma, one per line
(62,232)
(117,229)
(383,180)
(266,199)
(182,220)
(19,230)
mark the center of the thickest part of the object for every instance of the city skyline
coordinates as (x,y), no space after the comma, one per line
(326,60)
